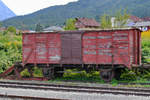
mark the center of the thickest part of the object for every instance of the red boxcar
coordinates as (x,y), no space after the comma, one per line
(100,48)
(120,46)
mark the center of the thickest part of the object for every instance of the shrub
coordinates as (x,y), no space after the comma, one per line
(128,75)
(25,73)
(145,74)
(114,82)
(74,73)
(10,50)
(37,72)
(145,51)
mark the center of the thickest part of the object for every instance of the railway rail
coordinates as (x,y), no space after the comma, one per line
(25,97)
(134,84)
(74,88)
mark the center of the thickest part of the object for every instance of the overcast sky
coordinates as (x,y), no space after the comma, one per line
(22,7)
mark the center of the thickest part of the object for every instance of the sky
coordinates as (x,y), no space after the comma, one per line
(23,7)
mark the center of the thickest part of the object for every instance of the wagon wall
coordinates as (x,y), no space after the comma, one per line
(41,48)
(121,47)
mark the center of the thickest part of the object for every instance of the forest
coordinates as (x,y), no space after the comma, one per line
(57,15)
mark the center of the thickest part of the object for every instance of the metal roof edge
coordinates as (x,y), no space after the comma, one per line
(82,31)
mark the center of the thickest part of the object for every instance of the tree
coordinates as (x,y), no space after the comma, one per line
(121,18)
(105,21)
(1,24)
(70,24)
(11,29)
(39,28)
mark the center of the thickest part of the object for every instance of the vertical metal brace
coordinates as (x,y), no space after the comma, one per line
(112,52)
(47,65)
(82,65)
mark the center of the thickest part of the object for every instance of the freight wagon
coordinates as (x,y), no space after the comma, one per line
(107,51)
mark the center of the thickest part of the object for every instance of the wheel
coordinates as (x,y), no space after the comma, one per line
(107,74)
(117,73)
(58,72)
(48,73)
(30,70)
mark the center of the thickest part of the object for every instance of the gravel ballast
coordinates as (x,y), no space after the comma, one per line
(68,95)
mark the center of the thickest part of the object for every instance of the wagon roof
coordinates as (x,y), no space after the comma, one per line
(82,31)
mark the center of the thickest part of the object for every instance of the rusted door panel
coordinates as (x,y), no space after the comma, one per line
(76,47)
(76,53)
(71,48)
(76,36)
(76,61)
(66,46)
(66,53)
(66,60)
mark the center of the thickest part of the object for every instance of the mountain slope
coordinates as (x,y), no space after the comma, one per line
(57,15)
(5,12)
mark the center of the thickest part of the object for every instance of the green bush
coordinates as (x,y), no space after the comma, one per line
(129,75)
(25,73)
(114,82)
(37,72)
(10,50)
(145,74)
(145,51)
(75,74)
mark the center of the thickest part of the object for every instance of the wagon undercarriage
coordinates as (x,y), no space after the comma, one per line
(52,71)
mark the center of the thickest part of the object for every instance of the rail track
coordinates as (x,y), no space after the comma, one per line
(74,88)
(134,83)
(4,96)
